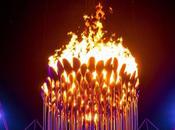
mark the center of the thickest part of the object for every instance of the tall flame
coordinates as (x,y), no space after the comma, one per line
(93,44)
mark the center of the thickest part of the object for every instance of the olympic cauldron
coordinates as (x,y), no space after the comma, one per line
(92,82)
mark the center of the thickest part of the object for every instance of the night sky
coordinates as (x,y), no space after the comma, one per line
(32,29)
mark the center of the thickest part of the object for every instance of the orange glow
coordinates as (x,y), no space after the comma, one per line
(88,117)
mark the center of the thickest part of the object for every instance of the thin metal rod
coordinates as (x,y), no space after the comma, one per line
(30,125)
(152,124)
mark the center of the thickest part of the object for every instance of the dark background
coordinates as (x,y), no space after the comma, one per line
(32,29)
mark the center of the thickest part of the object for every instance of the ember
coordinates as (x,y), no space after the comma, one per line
(92,82)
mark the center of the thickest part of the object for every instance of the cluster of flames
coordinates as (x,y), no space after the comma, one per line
(92,76)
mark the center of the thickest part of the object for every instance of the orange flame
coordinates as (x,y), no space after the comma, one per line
(93,44)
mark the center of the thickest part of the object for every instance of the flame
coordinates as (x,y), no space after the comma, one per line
(93,44)
(45,89)
(95,57)
(88,117)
